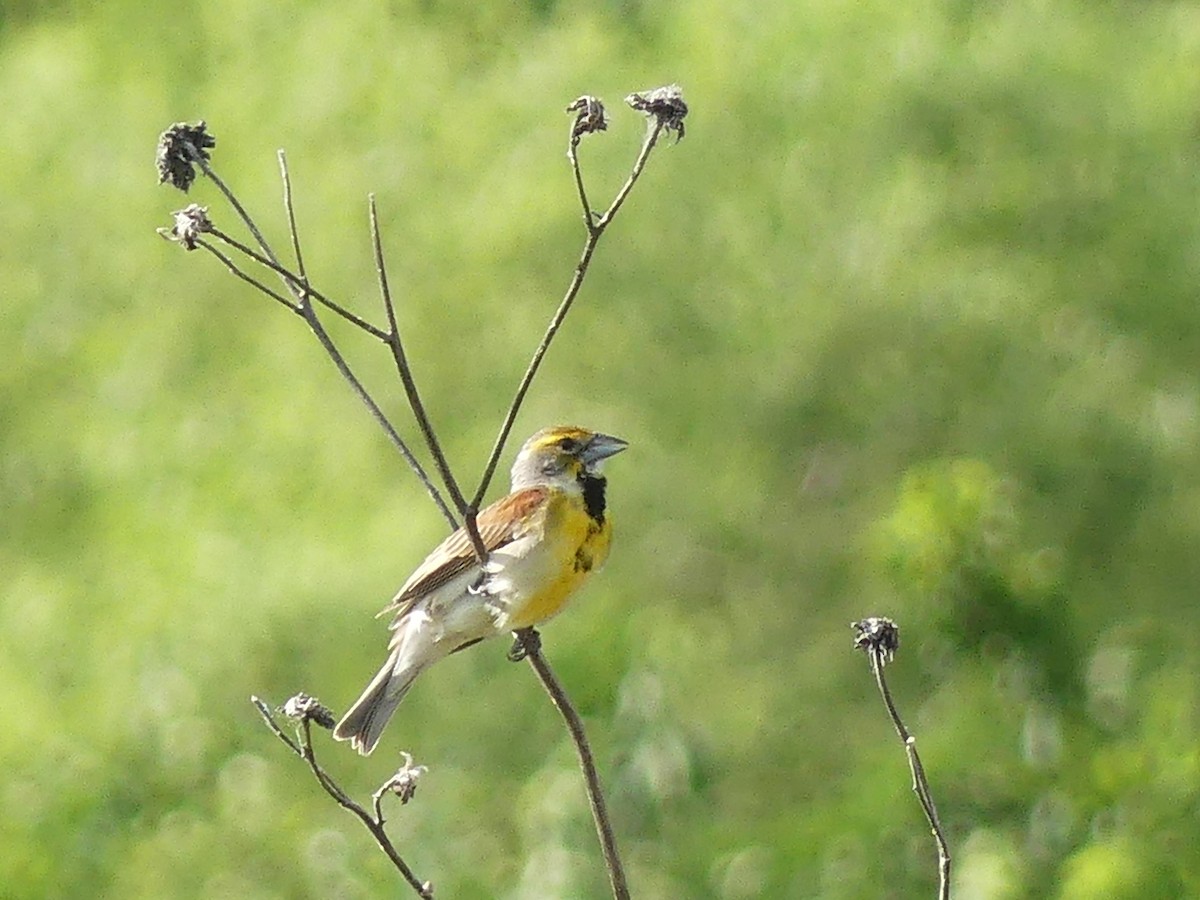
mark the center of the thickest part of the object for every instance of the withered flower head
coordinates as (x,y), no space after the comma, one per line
(665,104)
(306,708)
(404,783)
(878,637)
(589,117)
(178,149)
(190,222)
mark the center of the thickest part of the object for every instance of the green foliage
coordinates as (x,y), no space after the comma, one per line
(907,325)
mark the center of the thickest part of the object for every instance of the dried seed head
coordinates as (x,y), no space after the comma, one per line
(664,104)
(178,149)
(190,222)
(306,708)
(589,117)
(877,637)
(404,783)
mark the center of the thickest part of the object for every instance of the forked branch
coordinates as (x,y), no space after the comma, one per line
(666,111)
(305,711)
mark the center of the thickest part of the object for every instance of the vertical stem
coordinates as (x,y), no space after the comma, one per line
(920,784)
(531,644)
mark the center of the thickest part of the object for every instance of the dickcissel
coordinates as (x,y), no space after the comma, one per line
(542,540)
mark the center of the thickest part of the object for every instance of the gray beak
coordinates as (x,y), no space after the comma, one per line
(602,446)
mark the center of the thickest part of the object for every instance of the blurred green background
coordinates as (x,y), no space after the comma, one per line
(906,325)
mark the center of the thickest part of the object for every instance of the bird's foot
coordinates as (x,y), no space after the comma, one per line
(524,641)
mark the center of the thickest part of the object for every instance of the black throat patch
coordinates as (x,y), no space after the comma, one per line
(593,495)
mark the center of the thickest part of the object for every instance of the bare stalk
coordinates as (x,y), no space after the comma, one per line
(396,345)
(298,285)
(249,279)
(290,209)
(182,147)
(879,638)
(392,338)
(306,311)
(529,645)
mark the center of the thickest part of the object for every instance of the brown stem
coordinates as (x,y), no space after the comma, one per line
(298,285)
(920,784)
(318,329)
(290,209)
(198,159)
(640,163)
(249,279)
(589,219)
(530,643)
(396,345)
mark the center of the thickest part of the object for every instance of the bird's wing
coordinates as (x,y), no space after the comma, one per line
(501,523)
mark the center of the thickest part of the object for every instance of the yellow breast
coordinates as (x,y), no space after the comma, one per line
(572,545)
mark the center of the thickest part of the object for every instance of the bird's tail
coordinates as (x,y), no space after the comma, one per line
(365,721)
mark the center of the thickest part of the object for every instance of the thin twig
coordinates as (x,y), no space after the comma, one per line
(530,643)
(920,782)
(290,209)
(265,712)
(314,324)
(249,279)
(639,164)
(879,638)
(308,313)
(298,285)
(589,219)
(310,316)
(396,345)
(595,232)
(198,159)
(374,824)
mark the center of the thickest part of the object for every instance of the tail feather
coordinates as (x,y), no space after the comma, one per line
(365,721)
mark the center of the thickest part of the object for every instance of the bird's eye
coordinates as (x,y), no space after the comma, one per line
(568,444)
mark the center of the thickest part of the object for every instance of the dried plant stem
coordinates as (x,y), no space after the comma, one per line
(199,159)
(595,231)
(290,210)
(297,285)
(396,346)
(249,279)
(374,824)
(306,311)
(879,638)
(530,643)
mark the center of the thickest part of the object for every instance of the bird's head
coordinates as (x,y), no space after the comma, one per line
(563,455)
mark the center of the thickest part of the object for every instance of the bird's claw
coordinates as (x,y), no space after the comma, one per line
(524,641)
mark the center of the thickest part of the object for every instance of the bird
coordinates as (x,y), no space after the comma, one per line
(542,541)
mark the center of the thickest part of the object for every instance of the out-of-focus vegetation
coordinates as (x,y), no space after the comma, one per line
(907,325)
